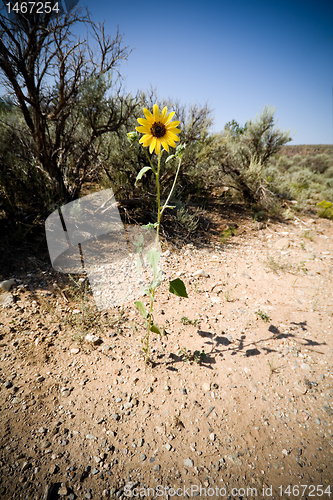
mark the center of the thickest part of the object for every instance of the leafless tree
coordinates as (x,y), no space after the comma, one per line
(62,84)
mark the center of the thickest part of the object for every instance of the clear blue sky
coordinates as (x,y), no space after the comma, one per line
(237,56)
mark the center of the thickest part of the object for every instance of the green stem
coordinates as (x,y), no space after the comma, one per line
(173,187)
(150,163)
(158,196)
(149,323)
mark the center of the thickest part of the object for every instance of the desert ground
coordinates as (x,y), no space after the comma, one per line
(238,399)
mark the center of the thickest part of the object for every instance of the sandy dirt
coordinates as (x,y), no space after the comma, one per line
(237,404)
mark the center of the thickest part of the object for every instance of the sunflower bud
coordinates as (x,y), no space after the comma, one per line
(132,137)
(180,150)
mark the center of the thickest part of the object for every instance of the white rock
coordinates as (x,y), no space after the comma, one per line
(75,350)
(282,244)
(202,273)
(206,386)
(92,338)
(6,299)
(188,462)
(7,284)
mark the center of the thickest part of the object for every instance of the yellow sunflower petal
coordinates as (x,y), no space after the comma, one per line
(148,115)
(170,141)
(173,130)
(143,130)
(156,113)
(163,114)
(143,122)
(173,136)
(165,145)
(172,124)
(152,145)
(158,146)
(147,141)
(168,118)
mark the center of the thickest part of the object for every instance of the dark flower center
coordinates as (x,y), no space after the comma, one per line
(158,130)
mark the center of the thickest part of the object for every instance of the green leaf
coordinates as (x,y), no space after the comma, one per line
(157,281)
(140,174)
(154,328)
(153,257)
(141,308)
(177,287)
(150,226)
(169,158)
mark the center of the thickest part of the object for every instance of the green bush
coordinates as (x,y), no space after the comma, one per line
(325,209)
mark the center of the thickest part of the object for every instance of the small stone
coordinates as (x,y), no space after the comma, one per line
(115,416)
(90,436)
(25,466)
(75,350)
(53,469)
(157,468)
(97,460)
(8,384)
(282,244)
(306,367)
(206,386)
(62,491)
(168,447)
(93,339)
(16,400)
(210,411)
(285,452)
(188,462)
(328,410)
(200,273)
(212,436)
(40,379)
(140,442)
(7,284)
(105,493)
(183,390)
(235,460)
(143,457)
(94,471)
(45,444)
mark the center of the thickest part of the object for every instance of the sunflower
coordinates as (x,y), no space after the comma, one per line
(158,129)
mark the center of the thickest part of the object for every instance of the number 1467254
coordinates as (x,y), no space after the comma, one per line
(33,7)
(301,490)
